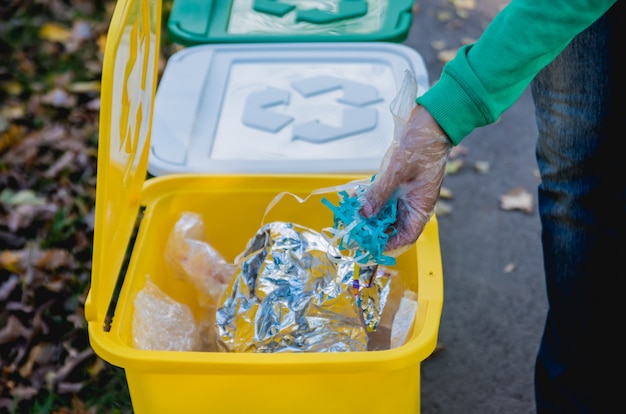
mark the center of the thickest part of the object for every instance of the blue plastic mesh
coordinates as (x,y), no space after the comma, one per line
(367,236)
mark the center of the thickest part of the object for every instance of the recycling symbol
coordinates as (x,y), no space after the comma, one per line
(356,119)
(346,9)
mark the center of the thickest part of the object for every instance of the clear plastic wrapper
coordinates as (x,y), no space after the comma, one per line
(162,324)
(403,320)
(192,258)
(411,171)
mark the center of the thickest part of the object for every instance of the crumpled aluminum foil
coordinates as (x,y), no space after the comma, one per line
(295,292)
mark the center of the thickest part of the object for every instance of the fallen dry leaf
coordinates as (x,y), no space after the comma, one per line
(13,110)
(96,367)
(462,13)
(464,4)
(93,105)
(454,166)
(66,160)
(84,87)
(12,87)
(101,42)
(71,362)
(447,55)
(59,98)
(6,404)
(70,387)
(481,167)
(20,260)
(12,330)
(444,16)
(39,354)
(445,193)
(81,32)
(509,267)
(55,32)
(438,44)
(11,136)
(8,286)
(443,208)
(517,199)
(12,198)
(458,150)
(23,215)
(24,393)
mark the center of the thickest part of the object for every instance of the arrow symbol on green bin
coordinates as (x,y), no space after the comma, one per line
(272,7)
(346,9)
(257,115)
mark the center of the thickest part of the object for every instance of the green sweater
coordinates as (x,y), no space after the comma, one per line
(486,78)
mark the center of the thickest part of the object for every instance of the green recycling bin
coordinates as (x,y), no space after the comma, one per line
(194,22)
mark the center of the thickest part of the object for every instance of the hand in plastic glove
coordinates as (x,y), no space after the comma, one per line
(414,165)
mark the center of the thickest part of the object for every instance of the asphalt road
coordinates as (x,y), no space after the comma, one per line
(494,291)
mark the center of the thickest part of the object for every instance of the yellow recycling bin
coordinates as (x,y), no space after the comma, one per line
(232,206)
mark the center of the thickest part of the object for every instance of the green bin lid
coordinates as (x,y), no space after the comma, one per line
(193,22)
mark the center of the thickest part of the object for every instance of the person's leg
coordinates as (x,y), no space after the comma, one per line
(583,213)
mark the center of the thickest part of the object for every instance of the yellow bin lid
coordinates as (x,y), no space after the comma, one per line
(129,79)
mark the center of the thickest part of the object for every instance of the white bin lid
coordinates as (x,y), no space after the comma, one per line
(281,108)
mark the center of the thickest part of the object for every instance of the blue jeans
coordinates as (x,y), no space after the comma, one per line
(579,99)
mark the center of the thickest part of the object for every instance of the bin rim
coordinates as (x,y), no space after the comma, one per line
(413,352)
(111,347)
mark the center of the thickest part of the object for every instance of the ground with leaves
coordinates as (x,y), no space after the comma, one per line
(50,66)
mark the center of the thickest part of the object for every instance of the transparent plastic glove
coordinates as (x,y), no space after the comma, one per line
(412,169)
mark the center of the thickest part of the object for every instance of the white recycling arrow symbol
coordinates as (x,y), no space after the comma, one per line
(354,121)
(345,10)
(256,115)
(257,111)
(354,93)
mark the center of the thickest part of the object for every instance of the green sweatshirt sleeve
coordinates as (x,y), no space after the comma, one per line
(486,78)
